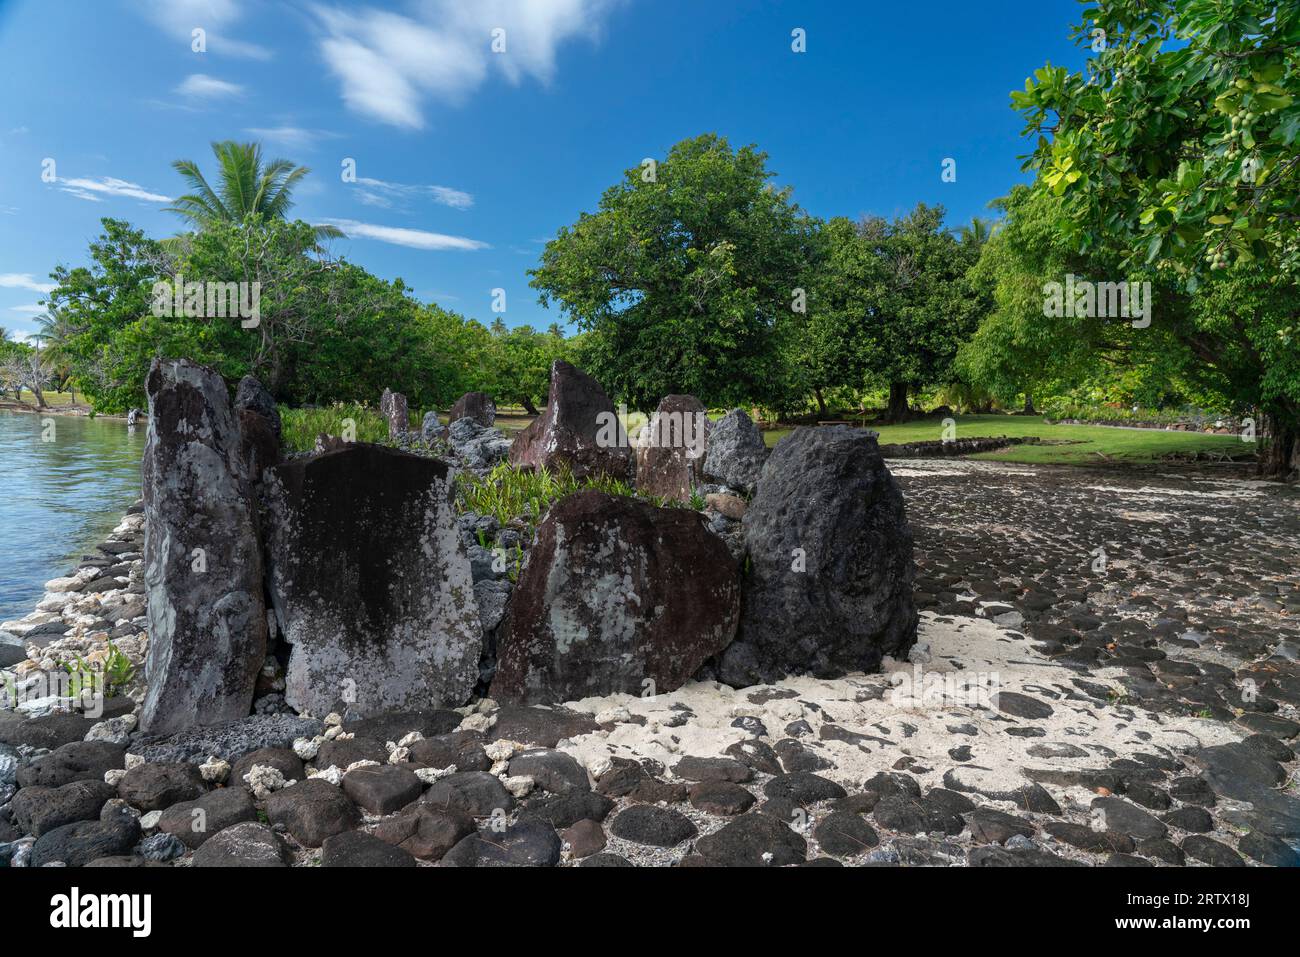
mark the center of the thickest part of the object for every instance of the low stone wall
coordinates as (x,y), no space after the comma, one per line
(942,449)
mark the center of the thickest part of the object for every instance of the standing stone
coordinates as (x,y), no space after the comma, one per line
(736,452)
(431,428)
(370,582)
(474,405)
(615,592)
(392,406)
(830,583)
(670,460)
(202,560)
(259,426)
(579,428)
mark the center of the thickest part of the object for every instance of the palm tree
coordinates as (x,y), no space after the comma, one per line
(245,187)
(978,231)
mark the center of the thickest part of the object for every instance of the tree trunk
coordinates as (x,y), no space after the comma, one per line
(40,399)
(1280,459)
(897,410)
(821,402)
(1029,405)
(529,407)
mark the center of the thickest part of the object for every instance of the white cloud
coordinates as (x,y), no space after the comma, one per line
(208,87)
(94,189)
(398,236)
(32,310)
(388,63)
(24,280)
(291,137)
(378,192)
(179,18)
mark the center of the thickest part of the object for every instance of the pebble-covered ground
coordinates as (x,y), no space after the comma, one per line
(1106,674)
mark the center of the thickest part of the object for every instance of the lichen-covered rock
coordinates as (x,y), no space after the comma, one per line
(259,426)
(615,593)
(829,588)
(579,429)
(474,405)
(736,453)
(203,563)
(670,459)
(392,406)
(477,447)
(369,582)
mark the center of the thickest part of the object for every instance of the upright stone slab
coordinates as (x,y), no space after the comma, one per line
(670,459)
(615,592)
(477,406)
(392,406)
(202,559)
(736,452)
(579,428)
(259,425)
(370,582)
(829,587)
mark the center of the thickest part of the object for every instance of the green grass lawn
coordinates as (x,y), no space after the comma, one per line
(1087,444)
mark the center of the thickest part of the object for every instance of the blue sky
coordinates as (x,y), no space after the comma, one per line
(468,160)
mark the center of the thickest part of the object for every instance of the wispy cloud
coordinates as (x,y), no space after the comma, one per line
(378,192)
(94,190)
(35,309)
(291,137)
(399,236)
(24,280)
(208,87)
(388,64)
(179,19)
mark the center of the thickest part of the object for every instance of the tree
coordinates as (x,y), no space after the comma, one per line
(1174,155)
(685,278)
(22,367)
(891,305)
(523,361)
(977,232)
(245,187)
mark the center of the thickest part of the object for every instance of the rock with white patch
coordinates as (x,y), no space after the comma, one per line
(579,429)
(370,582)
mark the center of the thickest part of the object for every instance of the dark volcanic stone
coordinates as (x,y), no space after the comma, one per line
(528,843)
(744,841)
(1162,850)
(990,826)
(829,587)
(579,429)
(474,405)
(395,725)
(359,849)
(398,627)
(992,855)
(476,793)
(40,809)
(1192,791)
(426,832)
(721,797)
(1212,852)
(565,810)
(541,727)
(1269,850)
(584,838)
(78,844)
(207,629)
(1023,706)
(606,860)
(756,754)
(845,834)
(1194,819)
(382,789)
(657,826)
(712,769)
(1120,815)
(155,787)
(312,811)
(75,761)
(195,821)
(803,787)
(670,460)
(571,634)
(1088,839)
(244,845)
(229,741)
(342,753)
(461,748)
(48,731)
(1238,771)
(735,453)
(551,770)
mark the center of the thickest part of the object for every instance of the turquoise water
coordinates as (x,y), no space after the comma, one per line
(58,498)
